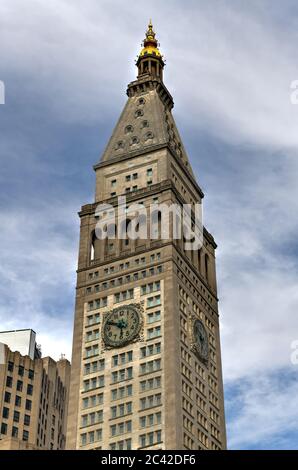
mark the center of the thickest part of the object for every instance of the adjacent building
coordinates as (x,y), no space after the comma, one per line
(146,363)
(33,395)
(23,341)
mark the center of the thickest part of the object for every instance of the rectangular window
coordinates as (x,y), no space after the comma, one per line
(125,295)
(19,385)
(7,397)
(3,428)
(16,416)
(153,316)
(83,439)
(8,381)
(27,420)
(29,389)
(21,371)
(31,374)
(153,301)
(14,431)
(18,400)
(85,402)
(153,332)
(5,413)
(10,366)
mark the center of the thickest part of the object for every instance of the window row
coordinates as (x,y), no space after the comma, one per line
(14,432)
(150,420)
(9,382)
(121,392)
(98,303)
(7,399)
(92,335)
(119,282)
(121,445)
(95,366)
(92,418)
(149,288)
(150,366)
(120,375)
(120,428)
(150,350)
(150,401)
(150,384)
(121,410)
(93,383)
(150,439)
(21,370)
(16,416)
(122,296)
(121,359)
(128,264)
(92,401)
(91,437)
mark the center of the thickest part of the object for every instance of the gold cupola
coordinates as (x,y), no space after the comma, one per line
(150,61)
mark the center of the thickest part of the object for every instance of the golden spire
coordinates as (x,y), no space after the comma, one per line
(150,43)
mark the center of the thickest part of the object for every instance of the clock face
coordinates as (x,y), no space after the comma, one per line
(121,326)
(201,339)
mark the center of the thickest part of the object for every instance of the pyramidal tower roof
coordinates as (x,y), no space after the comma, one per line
(146,122)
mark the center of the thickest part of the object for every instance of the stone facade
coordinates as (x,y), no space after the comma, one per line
(33,401)
(156,391)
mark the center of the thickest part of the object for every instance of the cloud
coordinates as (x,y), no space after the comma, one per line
(37,274)
(256,226)
(263,412)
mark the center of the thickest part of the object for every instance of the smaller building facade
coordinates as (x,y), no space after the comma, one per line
(33,401)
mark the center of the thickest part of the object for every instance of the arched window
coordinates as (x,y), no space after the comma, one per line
(199,260)
(125,240)
(109,242)
(94,247)
(207,267)
(156,221)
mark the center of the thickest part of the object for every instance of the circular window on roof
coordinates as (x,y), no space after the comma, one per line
(144,124)
(139,113)
(149,135)
(128,129)
(134,140)
(141,101)
(119,145)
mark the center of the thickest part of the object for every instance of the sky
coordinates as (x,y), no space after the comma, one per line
(229,66)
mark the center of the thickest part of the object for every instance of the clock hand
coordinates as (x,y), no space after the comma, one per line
(122,324)
(110,322)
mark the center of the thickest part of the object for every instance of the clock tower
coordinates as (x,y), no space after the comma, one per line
(146,362)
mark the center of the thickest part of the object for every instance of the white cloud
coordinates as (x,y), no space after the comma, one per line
(264,412)
(37,274)
(255,224)
(230,68)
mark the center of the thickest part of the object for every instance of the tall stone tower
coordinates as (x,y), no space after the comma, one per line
(146,364)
